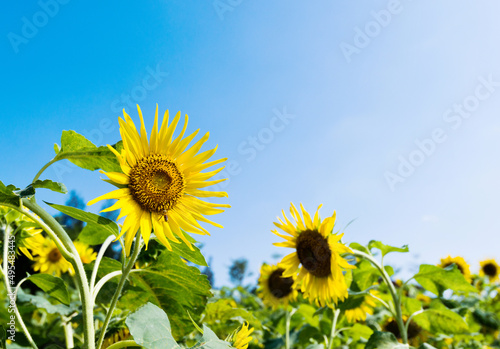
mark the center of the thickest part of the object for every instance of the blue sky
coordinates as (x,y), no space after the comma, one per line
(389,110)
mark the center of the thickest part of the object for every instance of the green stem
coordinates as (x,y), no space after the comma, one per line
(118,291)
(103,249)
(333,333)
(124,344)
(55,159)
(4,270)
(68,335)
(392,289)
(74,259)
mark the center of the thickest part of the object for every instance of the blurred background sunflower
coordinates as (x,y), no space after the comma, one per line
(460,263)
(490,268)
(274,289)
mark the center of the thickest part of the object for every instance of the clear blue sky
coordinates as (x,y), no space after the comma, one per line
(393,109)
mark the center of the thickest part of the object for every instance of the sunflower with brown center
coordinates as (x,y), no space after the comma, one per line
(365,307)
(49,260)
(317,256)
(161,182)
(274,289)
(460,263)
(491,269)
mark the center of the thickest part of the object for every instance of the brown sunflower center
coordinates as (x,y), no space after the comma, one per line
(54,255)
(279,286)
(156,183)
(413,329)
(314,253)
(490,269)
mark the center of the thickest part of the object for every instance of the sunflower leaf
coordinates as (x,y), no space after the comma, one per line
(441,321)
(42,302)
(150,328)
(48,184)
(172,285)
(209,340)
(437,280)
(385,249)
(383,340)
(7,194)
(359,331)
(54,286)
(95,221)
(83,153)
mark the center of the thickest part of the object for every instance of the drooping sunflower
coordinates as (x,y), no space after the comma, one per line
(318,253)
(48,259)
(491,269)
(365,307)
(243,337)
(161,182)
(460,263)
(274,289)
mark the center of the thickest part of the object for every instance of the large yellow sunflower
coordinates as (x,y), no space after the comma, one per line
(490,268)
(365,307)
(243,337)
(318,250)
(460,263)
(161,181)
(274,289)
(49,260)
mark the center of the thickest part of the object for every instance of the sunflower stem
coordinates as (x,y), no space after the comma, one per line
(118,291)
(333,333)
(4,270)
(289,315)
(395,296)
(103,249)
(74,258)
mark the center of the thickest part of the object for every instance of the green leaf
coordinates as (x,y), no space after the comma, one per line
(3,338)
(486,318)
(410,305)
(385,249)
(359,331)
(185,252)
(108,226)
(48,184)
(41,302)
(437,280)
(222,312)
(426,346)
(93,234)
(209,340)
(365,275)
(83,153)
(359,247)
(383,340)
(172,285)
(150,328)
(441,321)
(7,194)
(54,286)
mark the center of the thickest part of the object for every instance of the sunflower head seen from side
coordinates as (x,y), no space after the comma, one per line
(161,183)
(316,257)
(274,289)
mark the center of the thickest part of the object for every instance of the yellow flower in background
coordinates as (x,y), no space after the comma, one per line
(161,182)
(491,269)
(49,260)
(274,289)
(243,337)
(365,307)
(460,263)
(318,253)
(118,336)
(30,239)
(87,253)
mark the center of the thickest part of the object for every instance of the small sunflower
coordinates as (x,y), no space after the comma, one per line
(161,182)
(243,337)
(87,253)
(120,335)
(49,260)
(460,263)
(365,307)
(274,289)
(416,334)
(318,250)
(491,269)
(30,239)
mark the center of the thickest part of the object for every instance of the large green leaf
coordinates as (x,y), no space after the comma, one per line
(437,280)
(441,321)
(410,305)
(385,249)
(7,194)
(42,302)
(383,340)
(365,275)
(83,153)
(209,340)
(95,221)
(221,312)
(150,328)
(359,331)
(54,286)
(174,286)
(486,318)
(48,184)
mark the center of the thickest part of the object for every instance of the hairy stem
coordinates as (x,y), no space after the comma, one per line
(333,333)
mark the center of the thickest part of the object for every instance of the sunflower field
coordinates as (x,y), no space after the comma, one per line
(133,280)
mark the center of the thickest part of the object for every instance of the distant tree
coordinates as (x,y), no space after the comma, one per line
(209,273)
(238,270)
